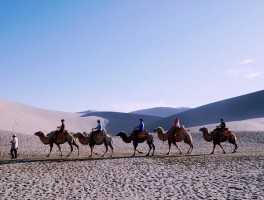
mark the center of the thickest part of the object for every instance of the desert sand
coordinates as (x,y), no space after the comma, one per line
(195,176)
(26,119)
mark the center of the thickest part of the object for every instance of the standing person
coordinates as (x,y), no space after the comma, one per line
(14,146)
(61,129)
(177,123)
(97,129)
(140,128)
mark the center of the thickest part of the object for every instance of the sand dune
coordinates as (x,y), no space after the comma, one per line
(243,125)
(245,107)
(27,119)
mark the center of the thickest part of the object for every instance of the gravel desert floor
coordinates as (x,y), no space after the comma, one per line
(198,175)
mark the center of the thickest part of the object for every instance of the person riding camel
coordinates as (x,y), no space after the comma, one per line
(95,130)
(61,129)
(222,127)
(138,129)
(177,123)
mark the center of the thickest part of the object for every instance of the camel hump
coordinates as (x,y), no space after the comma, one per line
(104,132)
(51,134)
(142,134)
(182,127)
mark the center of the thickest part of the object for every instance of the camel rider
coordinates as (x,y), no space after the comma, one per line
(222,127)
(140,128)
(61,129)
(95,130)
(177,123)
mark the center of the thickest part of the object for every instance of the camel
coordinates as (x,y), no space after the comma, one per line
(174,135)
(146,137)
(50,139)
(215,137)
(100,138)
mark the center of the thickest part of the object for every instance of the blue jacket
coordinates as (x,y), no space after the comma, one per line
(99,127)
(141,126)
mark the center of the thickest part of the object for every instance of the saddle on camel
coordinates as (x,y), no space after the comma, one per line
(95,131)
(97,134)
(60,133)
(221,130)
(139,134)
(222,133)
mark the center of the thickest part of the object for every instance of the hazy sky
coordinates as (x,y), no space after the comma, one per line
(113,55)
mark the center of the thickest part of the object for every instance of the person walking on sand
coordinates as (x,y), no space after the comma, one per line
(14,146)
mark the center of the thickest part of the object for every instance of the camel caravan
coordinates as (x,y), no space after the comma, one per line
(98,136)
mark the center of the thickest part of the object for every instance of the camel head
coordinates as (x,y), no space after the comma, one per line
(78,134)
(39,133)
(158,130)
(203,129)
(75,135)
(121,133)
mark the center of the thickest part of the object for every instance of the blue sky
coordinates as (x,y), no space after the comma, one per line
(127,55)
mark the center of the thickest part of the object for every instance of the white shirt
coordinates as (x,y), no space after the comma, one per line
(14,143)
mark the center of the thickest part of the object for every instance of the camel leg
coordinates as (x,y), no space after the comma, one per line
(59,148)
(51,146)
(106,149)
(222,148)
(110,145)
(139,151)
(213,149)
(169,142)
(190,149)
(71,149)
(77,146)
(150,147)
(135,144)
(153,146)
(135,148)
(91,146)
(177,147)
(235,148)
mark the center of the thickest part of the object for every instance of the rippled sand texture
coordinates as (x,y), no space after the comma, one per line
(204,177)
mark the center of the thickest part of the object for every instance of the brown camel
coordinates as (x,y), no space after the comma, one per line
(146,137)
(50,139)
(174,135)
(99,139)
(217,139)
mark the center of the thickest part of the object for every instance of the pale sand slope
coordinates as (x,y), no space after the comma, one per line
(27,119)
(256,124)
(199,176)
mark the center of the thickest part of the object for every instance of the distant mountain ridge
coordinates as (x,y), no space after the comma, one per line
(161,111)
(118,121)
